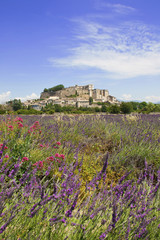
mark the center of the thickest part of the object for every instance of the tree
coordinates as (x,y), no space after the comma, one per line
(54,89)
(90,100)
(151,107)
(104,108)
(115,109)
(143,106)
(45,90)
(58,108)
(16,104)
(135,105)
(126,107)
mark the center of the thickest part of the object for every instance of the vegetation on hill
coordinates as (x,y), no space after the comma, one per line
(54,89)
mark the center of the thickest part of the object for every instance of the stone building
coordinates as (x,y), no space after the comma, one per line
(79,95)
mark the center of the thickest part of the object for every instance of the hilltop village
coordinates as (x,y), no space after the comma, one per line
(78,96)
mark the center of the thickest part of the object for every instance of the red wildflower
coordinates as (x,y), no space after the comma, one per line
(25,159)
(57,155)
(62,156)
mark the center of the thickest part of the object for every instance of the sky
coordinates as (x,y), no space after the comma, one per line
(112,44)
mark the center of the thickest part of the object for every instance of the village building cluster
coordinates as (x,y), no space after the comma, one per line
(78,96)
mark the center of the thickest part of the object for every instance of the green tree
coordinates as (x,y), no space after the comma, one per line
(143,106)
(157,108)
(16,104)
(135,105)
(115,109)
(151,107)
(45,90)
(90,100)
(126,107)
(57,108)
(56,88)
(104,108)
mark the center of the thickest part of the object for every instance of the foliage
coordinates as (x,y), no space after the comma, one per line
(54,89)
(115,109)
(126,107)
(58,177)
(90,100)
(16,104)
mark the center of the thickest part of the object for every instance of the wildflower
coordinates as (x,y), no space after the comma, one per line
(25,159)
(51,158)
(103,235)
(10,127)
(53,219)
(20,124)
(6,156)
(69,212)
(58,160)
(62,156)
(57,155)
(58,143)
(92,216)
(18,119)
(63,220)
(41,145)
(39,164)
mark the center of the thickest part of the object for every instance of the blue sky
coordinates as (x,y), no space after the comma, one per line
(113,44)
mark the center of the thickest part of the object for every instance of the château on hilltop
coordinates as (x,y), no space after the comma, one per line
(78,96)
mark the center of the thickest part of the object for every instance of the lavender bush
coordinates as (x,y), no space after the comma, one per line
(58,178)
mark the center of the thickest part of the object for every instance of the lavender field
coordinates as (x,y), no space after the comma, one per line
(80,177)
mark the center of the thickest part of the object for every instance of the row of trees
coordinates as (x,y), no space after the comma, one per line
(125,108)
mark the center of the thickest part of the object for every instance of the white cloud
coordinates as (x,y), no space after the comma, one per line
(153,99)
(126,50)
(117,8)
(126,97)
(28,97)
(4,97)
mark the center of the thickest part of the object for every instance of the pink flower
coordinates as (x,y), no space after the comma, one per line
(18,119)
(57,155)
(39,164)
(5,147)
(6,156)
(62,156)
(10,127)
(58,143)
(41,145)
(20,124)
(51,158)
(25,159)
